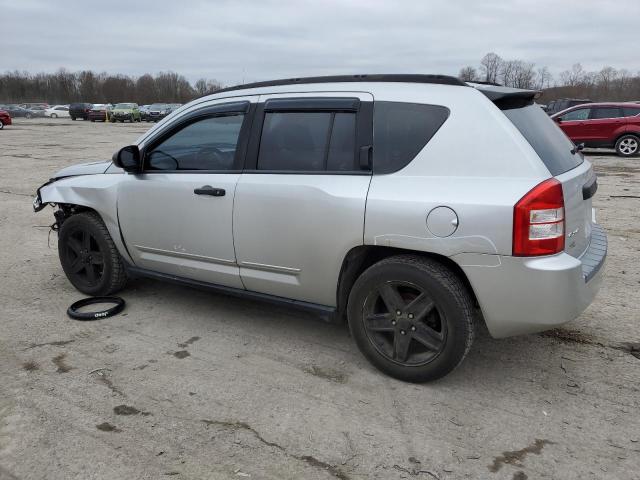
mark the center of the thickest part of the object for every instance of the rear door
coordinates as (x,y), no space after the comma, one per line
(571,169)
(300,203)
(602,124)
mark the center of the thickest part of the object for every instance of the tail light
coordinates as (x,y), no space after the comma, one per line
(538,221)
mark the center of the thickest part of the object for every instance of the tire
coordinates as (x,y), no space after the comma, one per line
(1,124)
(415,345)
(89,257)
(628,145)
(53,115)
(73,118)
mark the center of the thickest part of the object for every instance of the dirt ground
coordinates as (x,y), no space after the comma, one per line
(187,384)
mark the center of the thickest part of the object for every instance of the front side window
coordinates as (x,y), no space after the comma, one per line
(605,112)
(205,144)
(574,115)
(308,141)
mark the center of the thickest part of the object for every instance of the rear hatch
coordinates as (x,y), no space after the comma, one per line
(567,165)
(559,155)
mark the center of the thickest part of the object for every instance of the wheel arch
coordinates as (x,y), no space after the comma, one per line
(359,258)
(97,193)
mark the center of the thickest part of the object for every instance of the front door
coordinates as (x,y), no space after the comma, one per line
(176,216)
(300,203)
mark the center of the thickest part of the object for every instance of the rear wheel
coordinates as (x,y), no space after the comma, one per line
(411,317)
(628,145)
(88,255)
(73,118)
(53,115)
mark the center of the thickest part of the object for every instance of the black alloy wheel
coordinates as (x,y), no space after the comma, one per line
(404,324)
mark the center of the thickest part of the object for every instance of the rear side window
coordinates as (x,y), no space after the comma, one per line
(308,141)
(401,130)
(630,111)
(550,143)
(605,112)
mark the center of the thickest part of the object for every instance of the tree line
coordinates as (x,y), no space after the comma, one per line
(64,87)
(608,84)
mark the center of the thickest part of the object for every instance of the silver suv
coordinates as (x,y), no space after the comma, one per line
(411,205)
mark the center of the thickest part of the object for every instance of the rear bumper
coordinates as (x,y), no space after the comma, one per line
(520,295)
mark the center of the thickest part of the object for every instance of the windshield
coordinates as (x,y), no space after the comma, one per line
(124,106)
(550,143)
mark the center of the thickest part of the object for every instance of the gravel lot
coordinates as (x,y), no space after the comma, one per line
(187,384)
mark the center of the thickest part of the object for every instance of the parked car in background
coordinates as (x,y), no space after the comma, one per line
(36,112)
(57,111)
(144,111)
(17,112)
(328,193)
(123,112)
(29,106)
(556,106)
(606,125)
(98,112)
(80,110)
(158,111)
(5,118)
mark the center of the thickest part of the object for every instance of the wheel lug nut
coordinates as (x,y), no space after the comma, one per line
(410,315)
(413,328)
(398,312)
(402,332)
(393,322)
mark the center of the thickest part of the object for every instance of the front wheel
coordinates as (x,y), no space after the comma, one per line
(628,145)
(73,118)
(88,255)
(53,115)
(411,317)
(1,125)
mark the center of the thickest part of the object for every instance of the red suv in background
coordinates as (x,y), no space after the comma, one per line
(5,118)
(606,125)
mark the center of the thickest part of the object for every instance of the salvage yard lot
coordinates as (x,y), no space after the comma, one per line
(188,384)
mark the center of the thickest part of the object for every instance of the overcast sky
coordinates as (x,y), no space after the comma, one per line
(234,41)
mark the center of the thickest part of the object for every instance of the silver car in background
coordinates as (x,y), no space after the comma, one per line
(413,206)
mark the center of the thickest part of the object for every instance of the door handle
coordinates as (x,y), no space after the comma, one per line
(209,190)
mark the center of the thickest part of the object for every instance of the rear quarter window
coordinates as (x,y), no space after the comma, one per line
(549,142)
(401,130)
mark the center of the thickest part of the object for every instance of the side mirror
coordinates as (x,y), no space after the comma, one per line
(128,158)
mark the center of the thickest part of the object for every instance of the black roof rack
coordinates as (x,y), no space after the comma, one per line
(404,78)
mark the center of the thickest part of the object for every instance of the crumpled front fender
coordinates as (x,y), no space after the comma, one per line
(97,192)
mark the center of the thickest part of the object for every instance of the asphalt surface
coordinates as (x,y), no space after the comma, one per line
(187,384)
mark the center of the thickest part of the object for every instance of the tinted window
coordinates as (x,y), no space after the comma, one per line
(579,114)
(630,111)
(550,143)
(342,146)
(294,141)
(207,144)
(401,130)
(605,112)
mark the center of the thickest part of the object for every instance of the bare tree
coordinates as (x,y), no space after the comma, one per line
(573,77)
(543,78)
(468,74)
(490,66)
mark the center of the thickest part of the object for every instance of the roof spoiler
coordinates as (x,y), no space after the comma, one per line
(506,98)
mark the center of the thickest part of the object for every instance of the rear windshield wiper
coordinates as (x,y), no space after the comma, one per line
(577,148)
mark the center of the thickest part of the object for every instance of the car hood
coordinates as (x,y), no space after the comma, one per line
(122,110)
(92,168)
